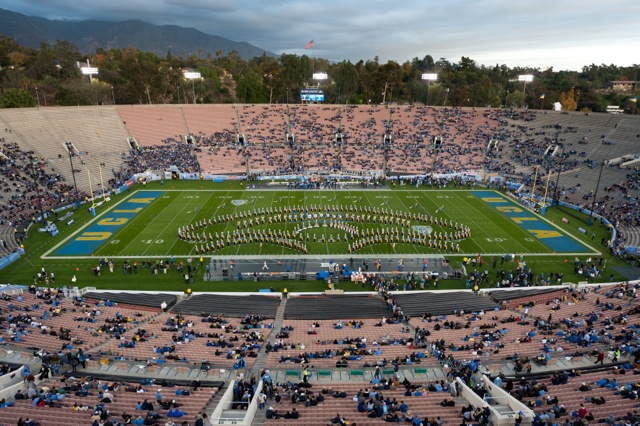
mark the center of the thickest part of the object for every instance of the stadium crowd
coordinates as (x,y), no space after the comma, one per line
(521,137)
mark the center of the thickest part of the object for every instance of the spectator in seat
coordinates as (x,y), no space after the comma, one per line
(175,412)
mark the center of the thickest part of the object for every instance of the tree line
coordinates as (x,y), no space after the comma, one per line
(49,76)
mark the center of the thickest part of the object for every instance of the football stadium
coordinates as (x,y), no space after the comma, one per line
(318,264)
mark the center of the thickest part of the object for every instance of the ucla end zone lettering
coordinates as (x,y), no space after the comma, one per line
(87,241)
(538,228)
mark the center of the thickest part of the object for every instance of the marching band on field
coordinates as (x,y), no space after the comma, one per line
(341,218)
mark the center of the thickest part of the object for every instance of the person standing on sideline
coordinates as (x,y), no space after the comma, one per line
(616,355)
(305,374)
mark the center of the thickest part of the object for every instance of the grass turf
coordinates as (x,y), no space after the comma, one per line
(153,234)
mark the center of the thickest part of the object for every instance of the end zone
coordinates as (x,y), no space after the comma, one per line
(93,237)
(536,226)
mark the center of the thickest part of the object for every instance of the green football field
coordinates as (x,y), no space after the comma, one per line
(232,222)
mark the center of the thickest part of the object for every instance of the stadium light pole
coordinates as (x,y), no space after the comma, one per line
(270,77)
(38,96)
(193,76)
(89,70)
(555,196)
(318,95)
(429,77)
(113,96)
(320,76)
(69,146)
(446,95)
(525,78)
(595,194)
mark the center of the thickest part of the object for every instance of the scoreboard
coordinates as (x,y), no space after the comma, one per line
(312,95)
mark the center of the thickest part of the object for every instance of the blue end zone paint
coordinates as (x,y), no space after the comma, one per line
(86,243)
(545,233)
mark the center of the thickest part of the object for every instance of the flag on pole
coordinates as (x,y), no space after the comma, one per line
(542,96)
(634,99)
(309,44)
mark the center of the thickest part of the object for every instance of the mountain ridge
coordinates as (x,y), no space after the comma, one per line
(88,35)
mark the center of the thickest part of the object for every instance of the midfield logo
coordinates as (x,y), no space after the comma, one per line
(424,230)
(238,202)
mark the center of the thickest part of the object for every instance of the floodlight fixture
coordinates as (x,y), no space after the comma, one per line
(525,78)
(320,76)
(89,70)
(192,75)
(429,77)
(86,69)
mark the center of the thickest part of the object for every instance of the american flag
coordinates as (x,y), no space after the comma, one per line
(309,44)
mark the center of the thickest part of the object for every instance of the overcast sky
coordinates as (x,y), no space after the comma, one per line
(563,34)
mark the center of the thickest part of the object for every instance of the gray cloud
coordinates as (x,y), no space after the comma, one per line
(565,34)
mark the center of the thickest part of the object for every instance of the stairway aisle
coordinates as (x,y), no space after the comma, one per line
(261,361)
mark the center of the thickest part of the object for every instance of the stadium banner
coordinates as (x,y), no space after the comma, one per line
(633,250)
(280,177)
(464,175)
(516,186)
(207,176)
(148,176)
(203,176)
(120,189)
(7,260)
(59,209)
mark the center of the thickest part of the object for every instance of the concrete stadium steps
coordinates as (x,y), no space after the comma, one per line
(207,120)
(622,131)
(95,131)
(573,307)
(123,401)
(305,339)
(78,317)
(151,124)
(427,405)
(7,234)
(631,235)
(186,354)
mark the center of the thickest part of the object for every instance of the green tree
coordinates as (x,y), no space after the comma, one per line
(250,88)
(66,56)
(345,77)
(515,99)
(11,53)
(17,98)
